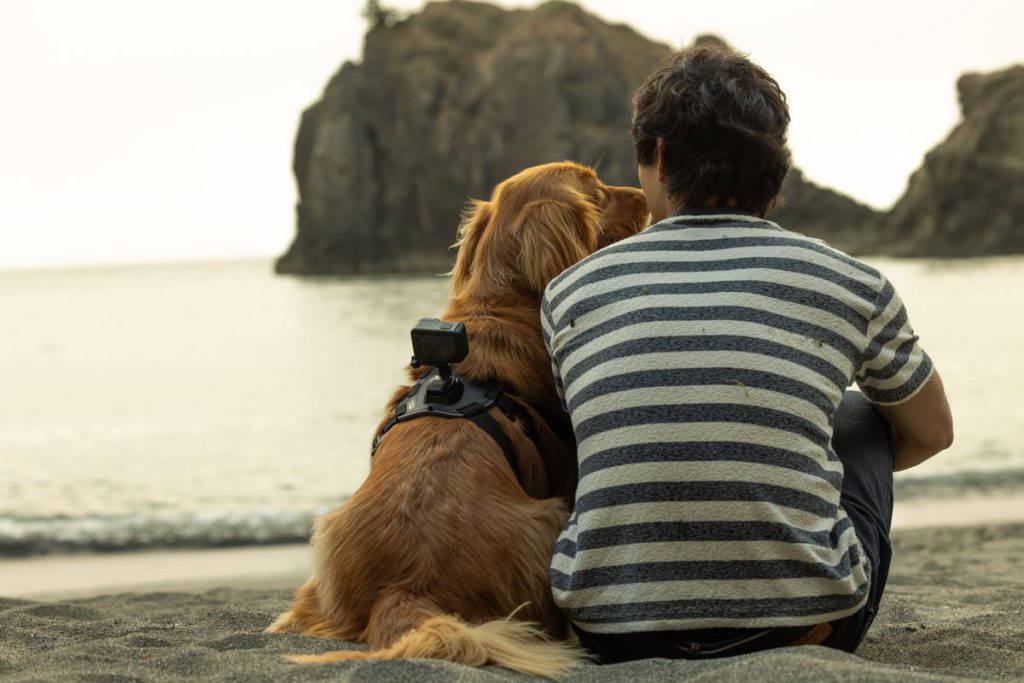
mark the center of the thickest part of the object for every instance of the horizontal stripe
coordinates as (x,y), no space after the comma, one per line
(820,302)
(688,570)
(680,414)
(894,328)
(897,381)
(698,357)
(756,267)
(707,343)
(905,391)
(710,451)
(709,376)
(697,511)
(752,612)
(730,392)
(888,308)
(654,591)
(899,359)
(718,471)
(741,433)
(705,491)
(628,554)
(862,308)
(671,312)
(722,243)
(703,396)
(702,361)
(717,531)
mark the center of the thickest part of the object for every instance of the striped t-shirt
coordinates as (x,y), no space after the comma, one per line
(701,362)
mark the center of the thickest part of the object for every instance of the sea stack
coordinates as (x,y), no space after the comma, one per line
(450,101)
(967,199)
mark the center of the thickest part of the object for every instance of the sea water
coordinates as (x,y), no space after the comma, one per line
(217,403)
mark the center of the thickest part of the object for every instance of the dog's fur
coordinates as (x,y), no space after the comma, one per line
(442,544)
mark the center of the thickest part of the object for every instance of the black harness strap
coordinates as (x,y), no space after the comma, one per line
(487,423)
(474,403)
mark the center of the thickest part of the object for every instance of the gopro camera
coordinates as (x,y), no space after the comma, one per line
(438,343)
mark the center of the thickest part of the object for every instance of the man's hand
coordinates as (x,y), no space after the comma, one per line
(923,425)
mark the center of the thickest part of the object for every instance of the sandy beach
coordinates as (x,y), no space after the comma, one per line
(954,610)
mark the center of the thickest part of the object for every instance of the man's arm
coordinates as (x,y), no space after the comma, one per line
(922,425)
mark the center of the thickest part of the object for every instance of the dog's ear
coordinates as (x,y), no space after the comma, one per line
(474,223)
(553,235)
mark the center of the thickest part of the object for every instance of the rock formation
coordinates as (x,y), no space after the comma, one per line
(967,199)
(450,101)
(826,214)
(444,105)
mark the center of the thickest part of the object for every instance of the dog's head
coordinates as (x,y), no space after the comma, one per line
(538,223)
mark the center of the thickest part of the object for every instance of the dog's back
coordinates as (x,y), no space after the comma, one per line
(442,543)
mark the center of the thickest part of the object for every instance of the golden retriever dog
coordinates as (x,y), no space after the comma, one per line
(443,544)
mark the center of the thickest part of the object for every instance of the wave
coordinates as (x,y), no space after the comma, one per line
(958,484)
(23,536)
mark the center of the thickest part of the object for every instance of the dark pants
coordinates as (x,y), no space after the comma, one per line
(863,441)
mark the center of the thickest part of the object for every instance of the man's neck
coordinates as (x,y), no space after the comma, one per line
(708,211)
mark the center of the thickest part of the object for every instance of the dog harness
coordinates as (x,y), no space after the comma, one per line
(473,404)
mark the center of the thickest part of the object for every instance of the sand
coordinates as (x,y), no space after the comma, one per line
(954,610)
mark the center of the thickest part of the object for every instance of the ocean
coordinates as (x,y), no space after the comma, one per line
(216,404)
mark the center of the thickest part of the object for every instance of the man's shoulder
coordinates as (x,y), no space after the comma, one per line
(843,261)
(759,240)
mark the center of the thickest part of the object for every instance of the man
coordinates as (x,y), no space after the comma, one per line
(731,498)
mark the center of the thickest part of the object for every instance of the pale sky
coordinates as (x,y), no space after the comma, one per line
(136,131)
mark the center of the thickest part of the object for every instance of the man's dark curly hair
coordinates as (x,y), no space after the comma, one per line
(722,121)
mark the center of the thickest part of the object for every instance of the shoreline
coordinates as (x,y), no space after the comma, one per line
(287,566)
(66,577)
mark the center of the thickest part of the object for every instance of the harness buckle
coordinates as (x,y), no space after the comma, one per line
(463,399)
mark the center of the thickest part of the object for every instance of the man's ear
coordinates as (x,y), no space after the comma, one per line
(474,223)
(553,235)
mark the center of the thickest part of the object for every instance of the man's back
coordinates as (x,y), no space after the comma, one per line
(702,363)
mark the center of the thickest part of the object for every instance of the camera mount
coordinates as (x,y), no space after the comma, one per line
(441,393)
(440,344)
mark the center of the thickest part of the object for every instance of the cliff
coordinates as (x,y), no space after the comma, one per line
(450,101)
(444,105)
(820,212)
(967,199)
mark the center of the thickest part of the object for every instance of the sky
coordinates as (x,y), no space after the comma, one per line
(143,131)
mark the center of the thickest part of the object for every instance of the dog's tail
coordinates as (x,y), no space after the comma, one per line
(516,645)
